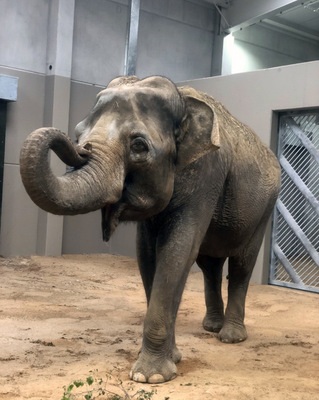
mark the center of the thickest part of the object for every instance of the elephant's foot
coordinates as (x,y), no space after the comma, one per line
(232,332)
(176,355)
(213,323)
(148,369)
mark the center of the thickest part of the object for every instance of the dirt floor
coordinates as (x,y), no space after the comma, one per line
(73,317)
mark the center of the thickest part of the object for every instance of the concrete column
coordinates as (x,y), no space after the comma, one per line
(217,56)
(56,108)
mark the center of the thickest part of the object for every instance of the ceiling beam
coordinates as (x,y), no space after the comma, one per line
(291,29)
(243,13)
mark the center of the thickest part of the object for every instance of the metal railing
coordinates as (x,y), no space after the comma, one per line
(295,239)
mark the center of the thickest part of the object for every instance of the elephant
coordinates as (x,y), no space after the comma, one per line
(200,184)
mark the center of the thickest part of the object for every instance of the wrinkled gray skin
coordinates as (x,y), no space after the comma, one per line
(201,185)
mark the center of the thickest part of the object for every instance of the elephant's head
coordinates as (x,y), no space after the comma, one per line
(129,148)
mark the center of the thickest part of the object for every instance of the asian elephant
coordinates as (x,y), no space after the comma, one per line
(200,184)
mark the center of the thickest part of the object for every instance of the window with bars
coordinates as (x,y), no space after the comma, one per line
(295,239)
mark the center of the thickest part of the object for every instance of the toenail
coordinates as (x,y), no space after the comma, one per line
(138,377)
(156,378)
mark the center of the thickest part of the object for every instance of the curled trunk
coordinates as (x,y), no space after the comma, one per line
(92,183)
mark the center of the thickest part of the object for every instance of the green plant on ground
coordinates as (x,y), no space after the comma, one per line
(93,388)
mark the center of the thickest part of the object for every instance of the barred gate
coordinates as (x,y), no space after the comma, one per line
(295,237)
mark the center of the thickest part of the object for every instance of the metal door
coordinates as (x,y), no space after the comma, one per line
(295,238)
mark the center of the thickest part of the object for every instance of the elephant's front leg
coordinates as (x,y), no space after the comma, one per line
(174,257)
(146,256)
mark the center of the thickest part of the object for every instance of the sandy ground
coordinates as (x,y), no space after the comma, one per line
(62,318)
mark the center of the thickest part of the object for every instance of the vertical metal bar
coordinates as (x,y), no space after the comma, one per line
(304,140)
(3,117)
(131,44)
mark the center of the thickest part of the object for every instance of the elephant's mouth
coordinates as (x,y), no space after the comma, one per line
(111,214)
(133,206)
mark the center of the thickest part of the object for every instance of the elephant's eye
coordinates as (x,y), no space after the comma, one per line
(139,145)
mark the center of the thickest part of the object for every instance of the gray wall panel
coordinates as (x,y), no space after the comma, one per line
(124,240)
(82,99)
(198,15)
(26,114)
(173,41)
(23,34)
(99,41)
(195,13)
(83,234)
(173,49)
(19,216)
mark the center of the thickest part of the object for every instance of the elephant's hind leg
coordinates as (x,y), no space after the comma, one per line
(240,269)
(212,270)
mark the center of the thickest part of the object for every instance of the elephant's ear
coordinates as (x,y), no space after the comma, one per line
(199,131)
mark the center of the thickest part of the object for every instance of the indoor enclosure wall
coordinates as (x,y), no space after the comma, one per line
(64,52)
(52,47)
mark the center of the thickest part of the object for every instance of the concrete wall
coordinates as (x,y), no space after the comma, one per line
(19,215)
(176,40)
(64,52)
(99,41)
(255,98)
(23,34)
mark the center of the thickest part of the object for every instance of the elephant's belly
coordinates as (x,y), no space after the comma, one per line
(225,240)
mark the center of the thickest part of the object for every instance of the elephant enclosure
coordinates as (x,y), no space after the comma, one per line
(64,317)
